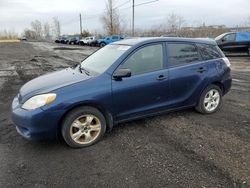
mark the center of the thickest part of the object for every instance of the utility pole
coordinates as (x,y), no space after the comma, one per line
(111,17)
(80,24)
(133,19)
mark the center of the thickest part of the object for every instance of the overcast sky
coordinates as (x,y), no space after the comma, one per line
(17,14)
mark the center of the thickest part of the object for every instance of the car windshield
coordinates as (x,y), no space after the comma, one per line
(220,36)
(102,59)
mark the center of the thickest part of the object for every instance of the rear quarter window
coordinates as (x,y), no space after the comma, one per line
(209,52)
(182,54)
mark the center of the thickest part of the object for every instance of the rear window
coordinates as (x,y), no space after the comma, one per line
(209,52)
(182,54)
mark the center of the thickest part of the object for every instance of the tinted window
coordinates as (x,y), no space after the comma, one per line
(146,59)
(229,37)
(182,54)
(209,51)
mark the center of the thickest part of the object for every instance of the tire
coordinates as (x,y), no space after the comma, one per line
(249,50)
(210,100)
(102,44)
(83,127)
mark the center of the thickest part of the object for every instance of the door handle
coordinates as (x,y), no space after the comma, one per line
(201,69)
(161,77)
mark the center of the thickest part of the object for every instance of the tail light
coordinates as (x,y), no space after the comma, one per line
(226,61)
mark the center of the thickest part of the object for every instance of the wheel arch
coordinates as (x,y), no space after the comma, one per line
(220,85)
(108,116)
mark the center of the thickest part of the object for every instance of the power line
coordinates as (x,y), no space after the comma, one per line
(146,3)
(126,2)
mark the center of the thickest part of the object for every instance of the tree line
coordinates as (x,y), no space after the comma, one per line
(41,30)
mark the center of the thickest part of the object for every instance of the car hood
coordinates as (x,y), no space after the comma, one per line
(50,82)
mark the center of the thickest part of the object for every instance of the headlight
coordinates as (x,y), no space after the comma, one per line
(39,101)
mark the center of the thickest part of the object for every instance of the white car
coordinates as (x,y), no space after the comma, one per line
(87,40)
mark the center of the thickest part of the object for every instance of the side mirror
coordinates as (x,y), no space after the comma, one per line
(121,73)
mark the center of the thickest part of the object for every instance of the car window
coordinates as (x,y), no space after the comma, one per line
(209,51)
(103,58)
(115,37)
(146,59)
(182,54)
(229,37)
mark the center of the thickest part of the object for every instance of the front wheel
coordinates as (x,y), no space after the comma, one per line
(210,100)
(102,44)
(84,126)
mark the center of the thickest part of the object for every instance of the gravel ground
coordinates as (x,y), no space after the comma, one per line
(180,149)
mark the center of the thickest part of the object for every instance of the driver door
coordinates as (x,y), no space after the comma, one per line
(228,42)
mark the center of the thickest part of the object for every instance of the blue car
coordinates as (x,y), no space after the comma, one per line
(104,41)
(123,81)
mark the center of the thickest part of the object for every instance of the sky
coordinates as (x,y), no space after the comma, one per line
(16,15)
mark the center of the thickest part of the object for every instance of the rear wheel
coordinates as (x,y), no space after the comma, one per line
(210,100)
(83,127)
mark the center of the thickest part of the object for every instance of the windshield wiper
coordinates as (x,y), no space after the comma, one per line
(83,69)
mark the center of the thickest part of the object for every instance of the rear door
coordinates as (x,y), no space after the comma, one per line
(187,74)
(147,89)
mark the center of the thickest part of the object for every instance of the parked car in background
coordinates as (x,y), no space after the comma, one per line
(104,41)
(87,40)
(64,40)
(58,40)
(73,40)
(23,39)
(238,42)
(123,81)
(93,43)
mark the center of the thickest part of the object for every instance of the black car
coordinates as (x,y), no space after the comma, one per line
(73,40)
(234,42)
(63,40)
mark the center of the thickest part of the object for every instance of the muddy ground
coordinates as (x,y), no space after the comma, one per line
(180,149)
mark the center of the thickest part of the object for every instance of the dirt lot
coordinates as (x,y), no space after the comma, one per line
(181,149)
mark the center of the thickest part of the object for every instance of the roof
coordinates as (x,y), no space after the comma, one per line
(142,40)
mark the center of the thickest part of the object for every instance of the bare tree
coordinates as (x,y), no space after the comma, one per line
(56,27)
(29,34)
(37,27)
(46,30)
(111,19)
(174,22)
(8,34)
(248,21)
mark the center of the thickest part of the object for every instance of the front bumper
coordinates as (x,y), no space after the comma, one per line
(36,124)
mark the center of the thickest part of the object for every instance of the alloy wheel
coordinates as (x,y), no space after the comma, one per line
(85,129)
(212,100)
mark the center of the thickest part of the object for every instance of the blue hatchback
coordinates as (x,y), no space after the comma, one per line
(125,80)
